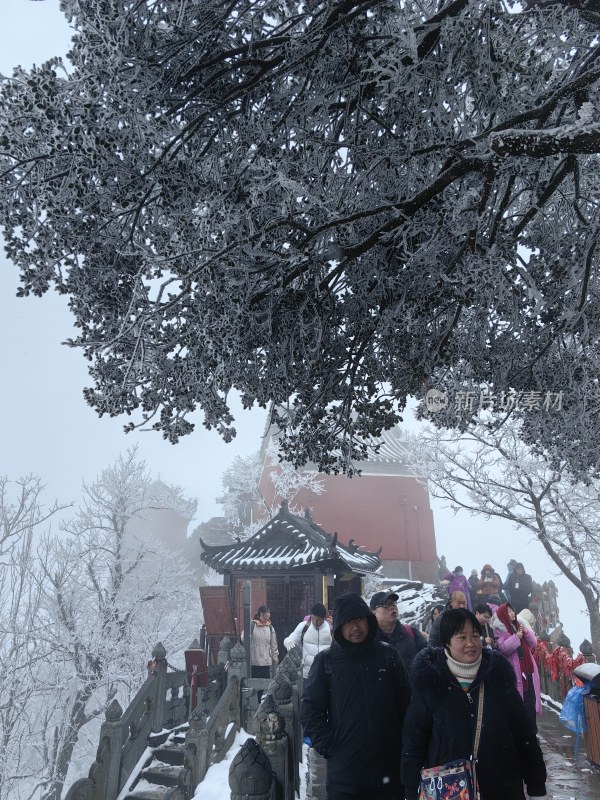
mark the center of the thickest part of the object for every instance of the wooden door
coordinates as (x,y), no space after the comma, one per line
(258,597)
(218,617)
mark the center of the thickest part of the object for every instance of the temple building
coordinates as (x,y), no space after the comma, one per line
(291,563)
(386,507)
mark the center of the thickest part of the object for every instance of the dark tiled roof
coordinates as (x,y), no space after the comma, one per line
(292,542)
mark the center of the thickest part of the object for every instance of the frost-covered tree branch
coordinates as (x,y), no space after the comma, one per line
(327,206)
(489,471)
(248,503)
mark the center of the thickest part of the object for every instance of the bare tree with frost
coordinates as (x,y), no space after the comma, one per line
(327,204)
(246,504)
(22,641)
(102,599)
(490,472)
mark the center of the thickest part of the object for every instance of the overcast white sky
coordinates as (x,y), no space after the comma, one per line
(46,429)
(45,426)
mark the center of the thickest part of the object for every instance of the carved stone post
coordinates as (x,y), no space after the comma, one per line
(270,733)
(585,648)
(158,667)
(250,773)
(290,664)
(224,650)
(291,668)
(282,692)
(109,753)
(196,751)
(237,662)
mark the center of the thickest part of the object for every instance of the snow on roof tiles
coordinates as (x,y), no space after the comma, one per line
(289,541)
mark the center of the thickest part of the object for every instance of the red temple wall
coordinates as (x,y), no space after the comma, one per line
(388,511)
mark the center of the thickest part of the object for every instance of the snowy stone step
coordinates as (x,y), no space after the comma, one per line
(170,753)
(161,774)
(148,791)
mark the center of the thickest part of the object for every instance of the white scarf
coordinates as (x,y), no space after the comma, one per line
(464,673)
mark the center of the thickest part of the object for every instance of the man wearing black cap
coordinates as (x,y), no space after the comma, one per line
(353,707)
(407,639)
(312,635)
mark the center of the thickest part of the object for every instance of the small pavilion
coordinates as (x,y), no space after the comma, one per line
(291,563)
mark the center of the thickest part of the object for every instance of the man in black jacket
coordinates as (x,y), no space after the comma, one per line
(519,586)
(457,600)
(407,639)
(353,707)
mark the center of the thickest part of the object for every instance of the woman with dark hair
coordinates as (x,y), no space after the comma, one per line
(440,723)
(517,642)
(311,635)
(264,652)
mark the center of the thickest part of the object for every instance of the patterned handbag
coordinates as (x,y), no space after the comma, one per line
(452,781)
(456,780)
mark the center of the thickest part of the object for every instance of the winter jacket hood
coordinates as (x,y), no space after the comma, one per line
(353,705)
(347,607)
(499,626)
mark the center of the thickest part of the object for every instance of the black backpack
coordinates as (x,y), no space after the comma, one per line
(304,629)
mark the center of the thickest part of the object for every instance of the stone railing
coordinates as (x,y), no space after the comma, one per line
(269,765)
(209,738)
(228,701)
(163,702)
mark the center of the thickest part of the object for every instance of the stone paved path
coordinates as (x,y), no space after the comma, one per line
(567,780)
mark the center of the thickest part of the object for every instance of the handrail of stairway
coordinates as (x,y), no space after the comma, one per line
(162,701)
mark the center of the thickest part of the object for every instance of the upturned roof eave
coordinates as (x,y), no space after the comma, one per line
(265,564)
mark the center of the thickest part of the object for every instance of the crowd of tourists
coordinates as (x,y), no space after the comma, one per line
(403,712)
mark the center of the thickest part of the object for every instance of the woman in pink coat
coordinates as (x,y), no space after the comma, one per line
(517,642)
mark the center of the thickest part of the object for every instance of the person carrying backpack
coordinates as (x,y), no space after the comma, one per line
(264,654)
(353,706)
(407,639)
(312,635)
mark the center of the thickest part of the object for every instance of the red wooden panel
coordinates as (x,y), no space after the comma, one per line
(218,610)
(195,661)
(592,738)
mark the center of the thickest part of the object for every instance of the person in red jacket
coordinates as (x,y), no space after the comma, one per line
(489,583)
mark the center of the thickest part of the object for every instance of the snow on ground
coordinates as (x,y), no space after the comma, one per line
(215,785)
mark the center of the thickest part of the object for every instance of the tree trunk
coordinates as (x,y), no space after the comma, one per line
(65,745)
(594,613)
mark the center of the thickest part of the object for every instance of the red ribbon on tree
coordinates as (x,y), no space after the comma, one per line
(558,663)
